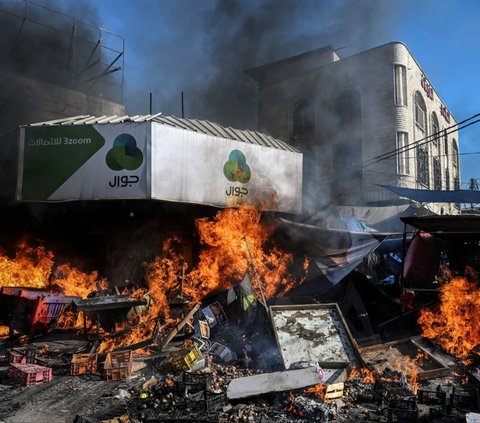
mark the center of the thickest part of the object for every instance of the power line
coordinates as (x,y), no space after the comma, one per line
(434,136)
(429,138)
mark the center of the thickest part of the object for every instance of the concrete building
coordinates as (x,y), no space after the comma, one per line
(350,116)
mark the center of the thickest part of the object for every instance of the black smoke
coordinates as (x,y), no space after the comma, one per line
(42,53)
(210,45)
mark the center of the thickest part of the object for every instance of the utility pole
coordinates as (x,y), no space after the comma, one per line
(472,186)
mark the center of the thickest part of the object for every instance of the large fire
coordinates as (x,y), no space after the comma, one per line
(455,323)
(31,267)
(233,242)
(34,267)
(222,262)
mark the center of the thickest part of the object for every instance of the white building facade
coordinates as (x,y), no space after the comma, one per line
(366,120)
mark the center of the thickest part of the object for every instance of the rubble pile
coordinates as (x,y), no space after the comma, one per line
(215,369)
(171,351)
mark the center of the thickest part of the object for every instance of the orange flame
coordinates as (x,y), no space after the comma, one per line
(33,267)
(224,258)
(454,324)
(222,262)
(364,375)
(4,331)
(318,390)
(72,281)
(30,268)
(292,407)
(410,367)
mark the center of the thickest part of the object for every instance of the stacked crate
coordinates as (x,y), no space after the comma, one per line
(16,356)
(118,365)
(29,374)
(83,364)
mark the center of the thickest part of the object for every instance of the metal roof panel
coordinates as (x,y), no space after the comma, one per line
(196,125)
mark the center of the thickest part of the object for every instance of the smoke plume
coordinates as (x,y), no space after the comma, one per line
(209,48)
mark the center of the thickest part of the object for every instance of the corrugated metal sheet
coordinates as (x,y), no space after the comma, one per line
(202,126)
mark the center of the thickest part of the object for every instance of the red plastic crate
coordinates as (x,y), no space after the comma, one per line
(29,374)
(22,355)
(16,357)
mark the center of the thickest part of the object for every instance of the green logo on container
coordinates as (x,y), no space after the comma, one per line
(124,154)
(236,169)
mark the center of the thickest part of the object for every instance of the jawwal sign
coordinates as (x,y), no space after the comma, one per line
(82,162)
(154,161)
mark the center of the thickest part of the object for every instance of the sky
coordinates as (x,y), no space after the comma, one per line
(201,46)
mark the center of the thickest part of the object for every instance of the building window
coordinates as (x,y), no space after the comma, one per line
(403,157)
(456,173)
(400,85)
(348,107)
(446,151)
(437,174)
(435,129)
(422,166)
(303,125)
(445,143)
(447,179)
(420,112)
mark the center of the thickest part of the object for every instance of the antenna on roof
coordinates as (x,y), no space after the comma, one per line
(183,109)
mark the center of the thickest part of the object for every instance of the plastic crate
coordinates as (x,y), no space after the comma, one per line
(402,411)
(431,397)
(465,399)
(29,374)
(118,365)
(181,360)
(206,401)
(197,378)
(446,414)
(15,356)
(193,382)
(83,364)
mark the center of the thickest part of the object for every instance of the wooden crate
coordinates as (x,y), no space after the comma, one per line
(83,364)
(118,365)
(29,374)
(334,391)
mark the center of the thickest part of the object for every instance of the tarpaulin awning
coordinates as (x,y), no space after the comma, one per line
(436,196)
(384,218)
(337,245)
(447,226)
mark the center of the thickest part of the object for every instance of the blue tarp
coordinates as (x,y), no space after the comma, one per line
(436,196)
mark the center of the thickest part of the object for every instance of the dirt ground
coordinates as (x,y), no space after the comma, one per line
(59,401)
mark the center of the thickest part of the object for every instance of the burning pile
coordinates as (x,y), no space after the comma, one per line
(455,323)
(223,261)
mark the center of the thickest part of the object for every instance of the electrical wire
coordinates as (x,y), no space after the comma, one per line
(429,138)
